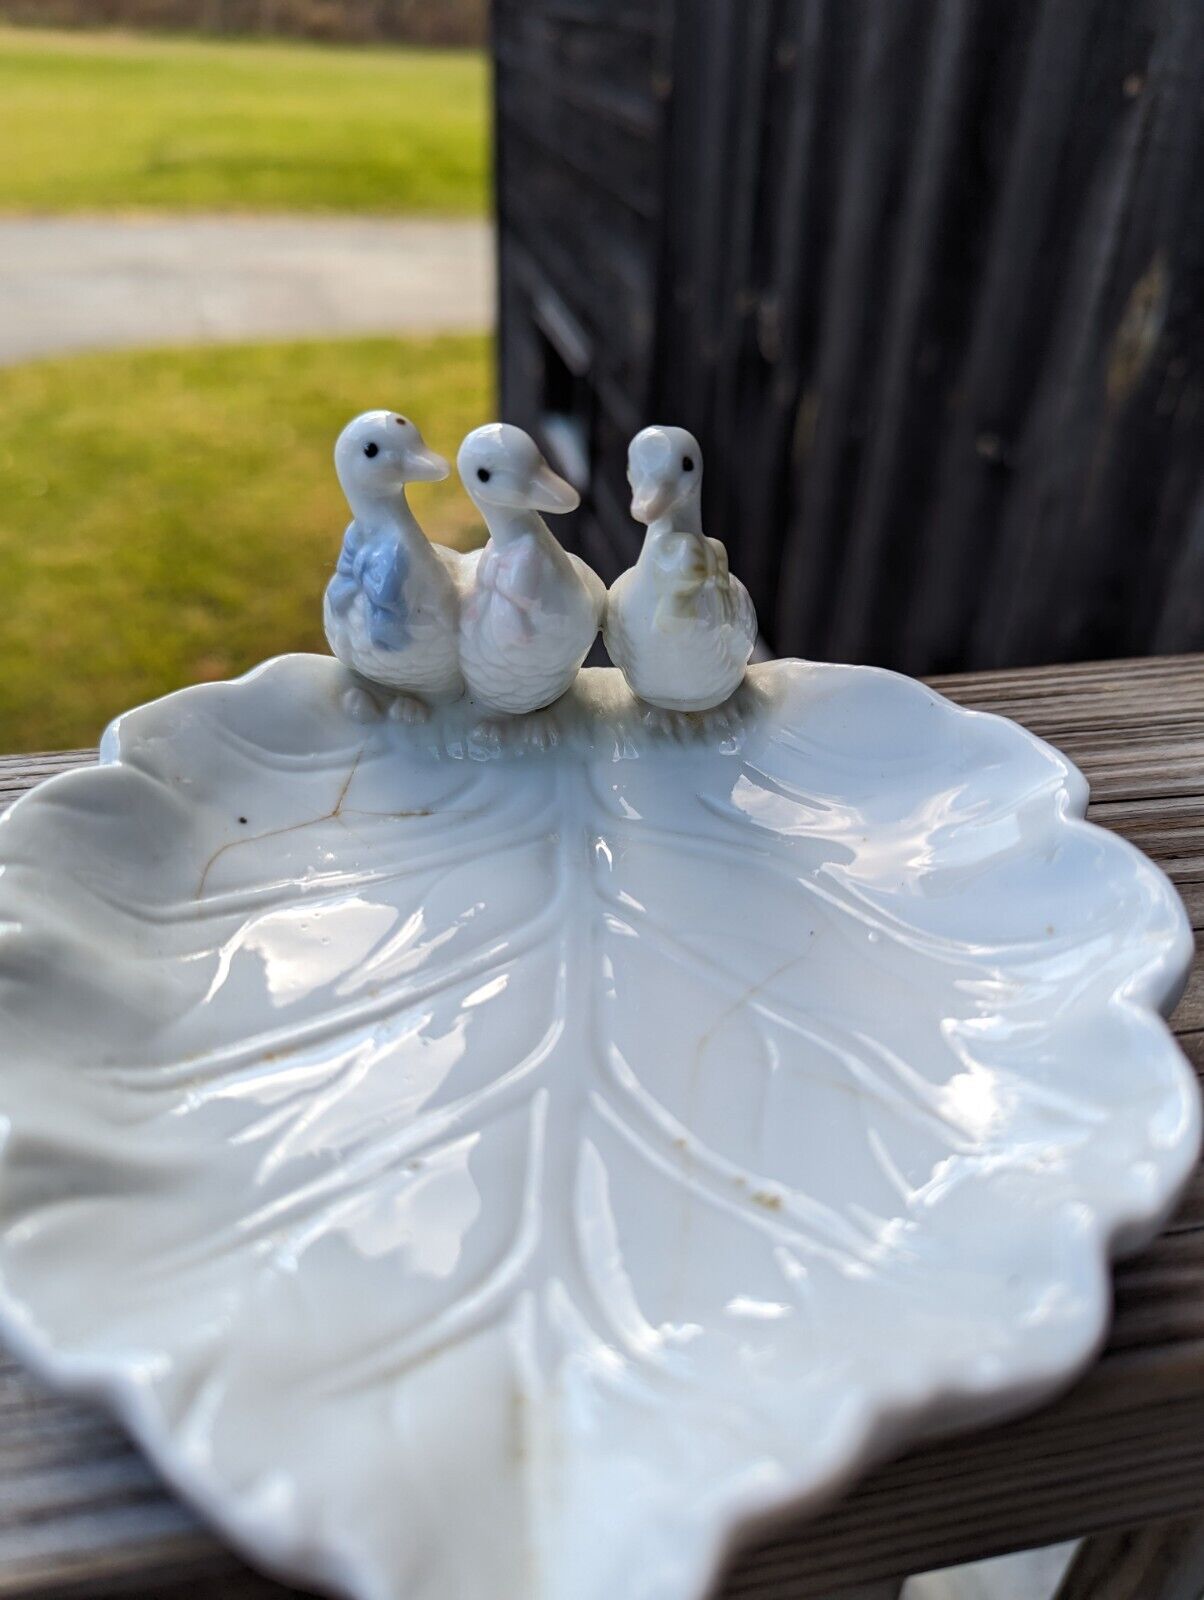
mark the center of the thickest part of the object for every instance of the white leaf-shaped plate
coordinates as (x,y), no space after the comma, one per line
(478,1171)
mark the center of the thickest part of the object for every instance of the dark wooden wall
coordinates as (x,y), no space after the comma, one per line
(581,96)
(925,276)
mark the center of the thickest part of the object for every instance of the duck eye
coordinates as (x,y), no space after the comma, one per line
(371,449)
(484,474)
(687,463)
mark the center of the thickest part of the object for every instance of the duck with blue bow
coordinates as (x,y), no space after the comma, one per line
(392,609)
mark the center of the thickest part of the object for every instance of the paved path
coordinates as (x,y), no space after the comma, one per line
(78,283)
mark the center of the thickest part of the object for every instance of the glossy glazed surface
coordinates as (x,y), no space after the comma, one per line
(679,625)
(392,609)
(493,1162)
(531,610)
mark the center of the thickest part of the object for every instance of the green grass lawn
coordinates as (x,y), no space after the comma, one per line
(109,121)
(172,516)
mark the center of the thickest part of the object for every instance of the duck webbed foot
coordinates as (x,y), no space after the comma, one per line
(524,730)
(540,729)
(656,719)
(408,710)
(359,705)
(721,722)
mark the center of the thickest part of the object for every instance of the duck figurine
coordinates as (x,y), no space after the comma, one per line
(392,609)
(531,610)
(679,626)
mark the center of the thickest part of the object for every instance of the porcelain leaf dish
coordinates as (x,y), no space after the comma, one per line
(494,1165)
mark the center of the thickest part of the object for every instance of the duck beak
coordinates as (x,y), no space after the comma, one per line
(549,492)
(649,501)
(424,465)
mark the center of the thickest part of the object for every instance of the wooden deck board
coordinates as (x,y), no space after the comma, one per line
(82,1514)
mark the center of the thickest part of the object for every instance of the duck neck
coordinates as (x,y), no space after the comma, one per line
(507,523)
(393,515)
(684,517)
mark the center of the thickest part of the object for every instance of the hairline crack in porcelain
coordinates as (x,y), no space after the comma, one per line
(503,1165)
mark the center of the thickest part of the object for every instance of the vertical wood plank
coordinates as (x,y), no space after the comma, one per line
(880,529)
(890,39)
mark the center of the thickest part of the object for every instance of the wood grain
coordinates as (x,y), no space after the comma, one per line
(82,1514)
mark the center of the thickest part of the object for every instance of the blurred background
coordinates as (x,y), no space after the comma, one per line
(925,276)
(215,248)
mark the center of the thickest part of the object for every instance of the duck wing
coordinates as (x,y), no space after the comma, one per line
(724,598)
(744,613)
(722,567)
(727,603)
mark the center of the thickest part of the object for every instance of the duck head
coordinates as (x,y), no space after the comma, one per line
(378,453)
(664,469)
(502,468)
